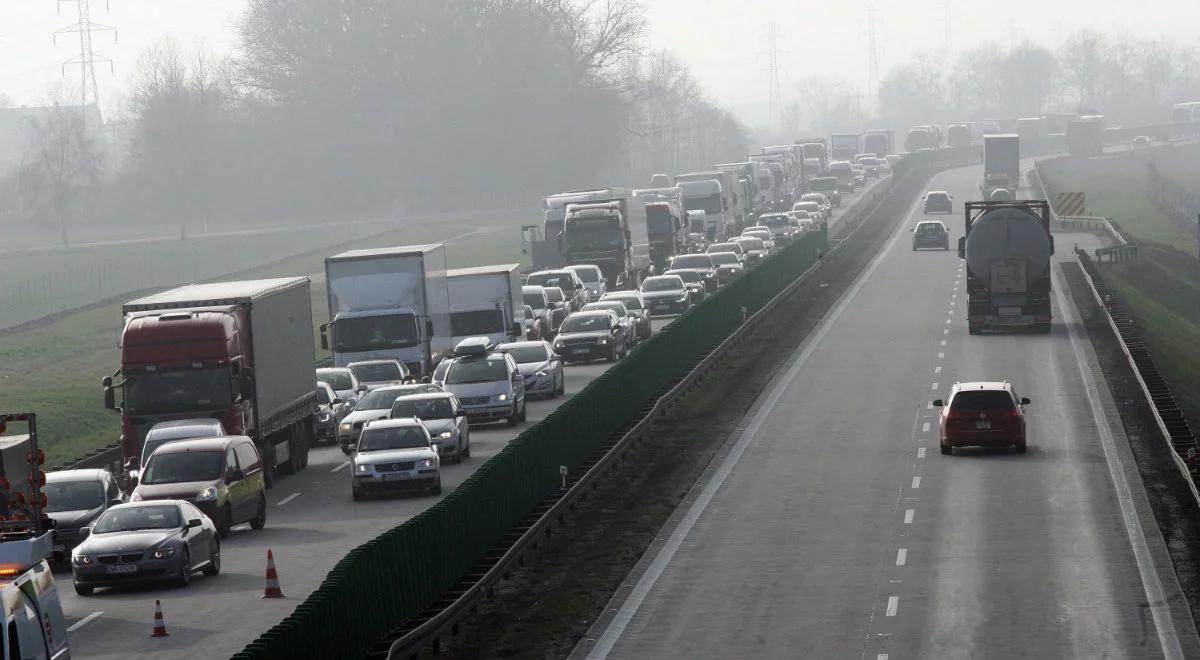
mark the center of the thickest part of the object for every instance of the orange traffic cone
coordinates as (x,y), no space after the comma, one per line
(272,590)
(160,627)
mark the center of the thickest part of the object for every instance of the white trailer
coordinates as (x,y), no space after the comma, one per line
(486,301)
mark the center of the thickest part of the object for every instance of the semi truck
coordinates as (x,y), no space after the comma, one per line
(1007,247)
(706,195)
(544,251)
(238,352)
(1085,137)
(486,301)
(730,200)
(388,303)
(611,234)
(845,146)
(1001,165)
(878,141)
(666,224)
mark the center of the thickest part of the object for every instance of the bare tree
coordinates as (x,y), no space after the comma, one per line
(61,163)
(1083,58)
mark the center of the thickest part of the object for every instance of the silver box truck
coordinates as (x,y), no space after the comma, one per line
(486,301)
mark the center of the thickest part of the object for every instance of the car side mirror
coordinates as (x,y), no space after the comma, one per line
(336,402)
(84,532)
(1025,401)
(938,403)
(194,522)
(325,336)
(234,475)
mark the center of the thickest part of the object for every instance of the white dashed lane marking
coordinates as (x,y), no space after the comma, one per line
(339,467)
(908,516)
(916,482)
(901,557)
(937,370)
(921,453)
(893,605)
(78,625)
(925,427)
(287,499)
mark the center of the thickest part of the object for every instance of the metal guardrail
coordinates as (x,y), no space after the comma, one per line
(444,616)
(1124,247)
(1167,415)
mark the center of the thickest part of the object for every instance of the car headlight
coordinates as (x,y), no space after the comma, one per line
(164,553)
(207,495)
(136,497)
(502,397)
(346,426)
(602,340)
(445,435)
(82,560)
(425,462)
(362,467)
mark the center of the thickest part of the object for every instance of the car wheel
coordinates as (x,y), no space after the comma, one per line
(346,449)
(224,522)
(1020,448)
(947,451)
(185,569)
(83,589)
(562,384)
(458,451)
(260,519)
(513,419)
(268,468)
(466,450)
(524,410)
(356,494)
(612,354)
(436,488)
(973,330)
(214,560)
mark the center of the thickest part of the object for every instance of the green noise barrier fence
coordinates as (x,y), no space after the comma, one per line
(401,572)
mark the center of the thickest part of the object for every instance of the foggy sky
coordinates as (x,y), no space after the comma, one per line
(724,42)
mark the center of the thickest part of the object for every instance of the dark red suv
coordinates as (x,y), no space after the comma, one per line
(982,414)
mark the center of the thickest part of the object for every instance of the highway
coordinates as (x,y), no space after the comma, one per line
(833,528)
(312,523)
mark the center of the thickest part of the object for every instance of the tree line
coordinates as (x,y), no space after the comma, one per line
(331,109)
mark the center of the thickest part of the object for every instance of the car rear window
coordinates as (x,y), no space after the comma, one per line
(982,400)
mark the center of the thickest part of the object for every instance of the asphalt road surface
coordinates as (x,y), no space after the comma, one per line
(311,524)
(835,529)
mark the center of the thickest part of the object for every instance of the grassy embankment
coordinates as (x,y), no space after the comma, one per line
(55,369)
(1161,288)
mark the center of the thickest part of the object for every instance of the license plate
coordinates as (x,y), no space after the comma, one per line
(578,351)
(120,570)
(983,425)
(397,476)
(60,548)
(1010,311)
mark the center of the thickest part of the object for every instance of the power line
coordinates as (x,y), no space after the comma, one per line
(873,64)
(86,58)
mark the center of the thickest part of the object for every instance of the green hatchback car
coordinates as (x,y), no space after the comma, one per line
(222,476)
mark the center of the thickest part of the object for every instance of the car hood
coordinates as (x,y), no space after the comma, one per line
(177,491)
(436,426)
(394,455)
(100,544)
(660,295)
(530,368)
(582,335)
(75,519)
(365,416)
(462,390)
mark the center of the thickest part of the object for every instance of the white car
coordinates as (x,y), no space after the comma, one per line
(813,208)
(593,280)
(394,455)
(822,202)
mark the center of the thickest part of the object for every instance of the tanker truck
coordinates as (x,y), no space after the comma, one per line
(1007,247)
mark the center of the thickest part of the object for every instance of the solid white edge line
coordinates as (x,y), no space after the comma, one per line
(342,465)
(893,605)
(1156,598)
(616,627)
(937,370)
(78,625)
(287,499)
(881,656)
(902,556)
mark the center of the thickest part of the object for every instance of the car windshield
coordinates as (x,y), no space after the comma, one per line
(176,391)
(752,243)
(937,197)
(662,284)
(130,518)
(439,373)
(630,302)
(692,261)
(528,354)
(982,400)
(379,400)
(73,495)
(154,442)
(593,235)
(423,408)
(486,370)
(589,275)
(395,437)
(773,221)
(722,247)
(555,294)
(372,333)
(724,258)
(377,372)
(550,279)
(183,466)
(929,228)
(534,300)
(586,323)
(338,379)
(477,322)
(689,276)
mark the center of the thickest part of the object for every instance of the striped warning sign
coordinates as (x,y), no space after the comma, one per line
(1070,203)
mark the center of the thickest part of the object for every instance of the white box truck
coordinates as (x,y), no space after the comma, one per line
(1001,166)
(486,301)
(389,302)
